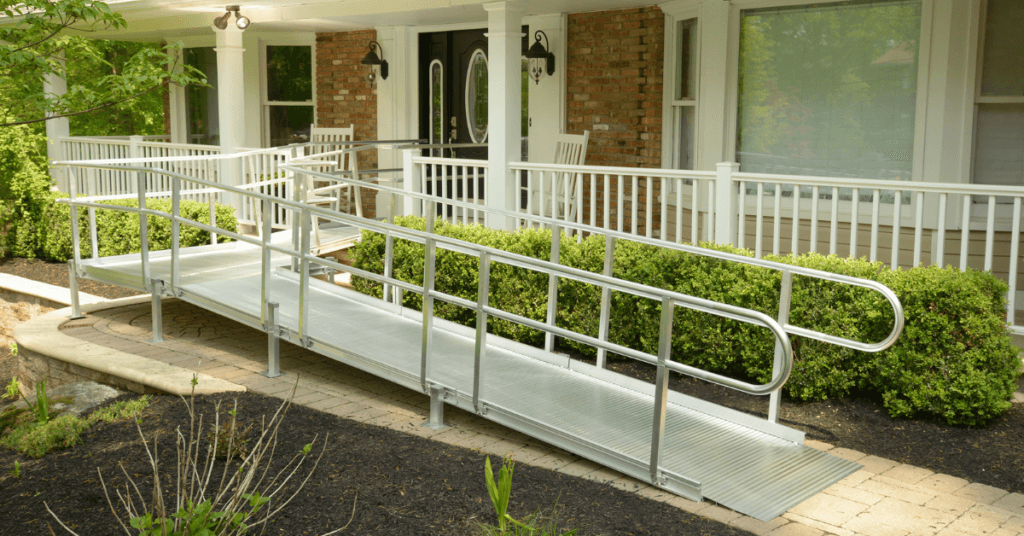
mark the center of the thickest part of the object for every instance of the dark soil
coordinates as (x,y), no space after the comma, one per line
(399,484)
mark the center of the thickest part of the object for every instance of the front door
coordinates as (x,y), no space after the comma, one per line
(453,91)
(453,100)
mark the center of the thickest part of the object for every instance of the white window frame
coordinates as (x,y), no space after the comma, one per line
(921,105)
(672,107)
(979,211)
(731,112)
(265,103)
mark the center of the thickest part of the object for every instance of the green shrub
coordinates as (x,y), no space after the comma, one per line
(118,232)
(24,189)
(954,360)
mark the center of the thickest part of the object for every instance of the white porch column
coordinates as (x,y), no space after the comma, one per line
(56,128)
(231,102)
(714,78)
(504,105)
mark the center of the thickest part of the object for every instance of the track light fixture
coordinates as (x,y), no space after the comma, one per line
(373,61)
(241,21)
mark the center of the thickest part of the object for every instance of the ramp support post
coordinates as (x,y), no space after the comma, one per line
(437,396)
(76,308)
(661,389)
(786,295)
(273,342)
(156,288)
(606,299)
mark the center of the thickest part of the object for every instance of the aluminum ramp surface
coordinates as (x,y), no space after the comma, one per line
(598,414)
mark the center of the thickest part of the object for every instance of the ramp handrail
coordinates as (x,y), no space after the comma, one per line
(426,237)
(607,283)
(486,255)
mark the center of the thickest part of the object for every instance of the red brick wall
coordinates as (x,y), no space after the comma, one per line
(615,61)
(344,96)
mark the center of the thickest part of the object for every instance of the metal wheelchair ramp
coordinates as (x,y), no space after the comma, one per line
(678,443)
(750,465)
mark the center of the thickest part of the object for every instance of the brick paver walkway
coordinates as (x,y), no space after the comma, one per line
(884,498)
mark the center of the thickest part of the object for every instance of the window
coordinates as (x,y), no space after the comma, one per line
(829,89)
(289,94)
(999,98)
(202,123)
(476,97)
(684,101)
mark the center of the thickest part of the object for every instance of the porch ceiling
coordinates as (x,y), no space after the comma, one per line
(153,20)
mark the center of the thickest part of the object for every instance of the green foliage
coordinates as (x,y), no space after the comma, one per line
(16,472)
(24,188)
(41,409)
(500,493)
(117,232)
(13,389)
(35,440)
(89,67)
(199,519)
(954,361)
(120,410)
(101,76)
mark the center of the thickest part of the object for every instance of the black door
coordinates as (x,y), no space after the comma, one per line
(453,90)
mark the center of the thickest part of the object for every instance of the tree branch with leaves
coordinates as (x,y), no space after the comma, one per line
(41,33)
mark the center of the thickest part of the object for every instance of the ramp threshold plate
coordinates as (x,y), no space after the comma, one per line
(594,413)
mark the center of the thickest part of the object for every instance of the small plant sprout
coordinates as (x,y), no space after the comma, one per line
(502,491)
(14,349)
(16,472)
(41,408)
(13,389)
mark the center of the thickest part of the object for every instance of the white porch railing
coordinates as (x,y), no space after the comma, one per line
(455,179)
(964,225)
(186,159)
(968,226)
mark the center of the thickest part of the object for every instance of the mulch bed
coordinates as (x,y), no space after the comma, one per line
(56,273)
(399,484)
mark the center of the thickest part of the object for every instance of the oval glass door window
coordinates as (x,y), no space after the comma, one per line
(476,96)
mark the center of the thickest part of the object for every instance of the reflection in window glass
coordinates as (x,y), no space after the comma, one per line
(685,122)
(476,97)
(290,124)
(686,74)
(202,119)
(999,145)
(1003,71)
(436,104)
(829,89)
(289,74)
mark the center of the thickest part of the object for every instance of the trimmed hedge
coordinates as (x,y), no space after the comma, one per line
(46,232)
(954,360)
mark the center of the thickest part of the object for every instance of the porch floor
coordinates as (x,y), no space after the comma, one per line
(592,412)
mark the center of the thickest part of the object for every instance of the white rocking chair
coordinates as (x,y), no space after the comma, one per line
(570,150)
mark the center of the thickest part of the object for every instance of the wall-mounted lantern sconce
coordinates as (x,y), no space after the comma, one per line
(373,61)
(541,60)
(241,21)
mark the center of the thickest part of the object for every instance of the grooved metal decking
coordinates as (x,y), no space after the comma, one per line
(741,462)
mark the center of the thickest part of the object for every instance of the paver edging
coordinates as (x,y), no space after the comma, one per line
(41,336)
